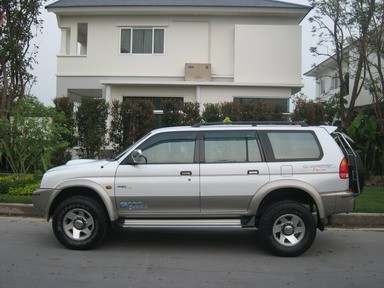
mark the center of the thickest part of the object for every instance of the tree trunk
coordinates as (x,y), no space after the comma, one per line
(4,92)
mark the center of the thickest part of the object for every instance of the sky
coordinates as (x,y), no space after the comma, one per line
(49,45)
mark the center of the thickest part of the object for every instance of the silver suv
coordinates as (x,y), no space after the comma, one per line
(285,180)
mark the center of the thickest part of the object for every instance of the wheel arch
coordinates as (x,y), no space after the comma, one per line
(88,189)
(289,190)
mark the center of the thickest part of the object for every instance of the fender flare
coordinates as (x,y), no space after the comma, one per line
(268,188)
(86,183)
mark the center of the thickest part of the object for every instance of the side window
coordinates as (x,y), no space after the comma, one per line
(231,147)
(169,148)
(293,145)
(136,40)
(82,39)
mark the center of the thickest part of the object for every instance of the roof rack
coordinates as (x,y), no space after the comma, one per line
(253,123)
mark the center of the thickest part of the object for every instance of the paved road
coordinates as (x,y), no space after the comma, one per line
(31,257)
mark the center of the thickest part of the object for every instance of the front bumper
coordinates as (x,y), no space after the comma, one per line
(42,199)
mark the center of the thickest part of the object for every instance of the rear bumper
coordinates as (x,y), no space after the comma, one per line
(338,202)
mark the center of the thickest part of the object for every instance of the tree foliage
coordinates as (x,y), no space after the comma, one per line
(374,65)
(129,122)
(91,120)
(191,113)
(19,23)
(119,132)
(257,111)
(31,135)
(363,130)
(309,111)
(173,113)
(212,112)
(180,113)
(343,28)
(65,107)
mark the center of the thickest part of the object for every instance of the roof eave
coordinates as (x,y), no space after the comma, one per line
(299,13)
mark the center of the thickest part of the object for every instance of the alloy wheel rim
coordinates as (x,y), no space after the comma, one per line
(78,224)
(288,230)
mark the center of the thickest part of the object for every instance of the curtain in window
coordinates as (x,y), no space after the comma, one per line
(125,46)
(159,41)
(142,41)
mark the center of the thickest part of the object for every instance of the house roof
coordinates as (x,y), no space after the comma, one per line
(175,3)
(319,68)
(180,7)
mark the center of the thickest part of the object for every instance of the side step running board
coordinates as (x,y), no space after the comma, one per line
(169,223)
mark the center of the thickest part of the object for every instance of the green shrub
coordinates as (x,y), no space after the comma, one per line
(212,112)
(191,113)
(91,120)
(29,138)
(172,113)
(26,190)
(16,181)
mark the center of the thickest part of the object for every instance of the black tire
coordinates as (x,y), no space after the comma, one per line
(287,228)
(80,223)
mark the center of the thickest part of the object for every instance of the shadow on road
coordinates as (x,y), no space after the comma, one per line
(218,239)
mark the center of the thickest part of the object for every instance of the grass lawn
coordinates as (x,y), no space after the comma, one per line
(370,201)
(15,199)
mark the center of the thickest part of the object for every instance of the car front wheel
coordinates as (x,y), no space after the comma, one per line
(287,228)
(80,223)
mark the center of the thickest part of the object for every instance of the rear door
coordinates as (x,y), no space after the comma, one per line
(231,171)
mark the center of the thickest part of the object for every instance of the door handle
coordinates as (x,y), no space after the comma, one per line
(185,173)
(253,172)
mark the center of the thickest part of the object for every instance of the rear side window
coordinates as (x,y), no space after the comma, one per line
(291,146)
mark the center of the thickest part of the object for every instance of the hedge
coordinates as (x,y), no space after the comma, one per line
(16,184)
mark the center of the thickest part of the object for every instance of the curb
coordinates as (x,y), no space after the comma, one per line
(350,220)
(24,210)
(358,220)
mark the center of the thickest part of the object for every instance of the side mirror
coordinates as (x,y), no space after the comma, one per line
(137,156)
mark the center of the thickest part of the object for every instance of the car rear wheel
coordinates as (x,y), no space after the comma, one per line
(80,223)
(287,228)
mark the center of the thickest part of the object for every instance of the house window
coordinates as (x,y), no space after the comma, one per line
(322,86)
(335,83)
(65,41)
(82,38)
(142,40)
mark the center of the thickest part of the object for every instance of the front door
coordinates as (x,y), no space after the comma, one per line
(166,180)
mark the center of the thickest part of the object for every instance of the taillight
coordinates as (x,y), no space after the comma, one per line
(343,170)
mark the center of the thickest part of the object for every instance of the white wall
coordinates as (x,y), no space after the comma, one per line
(187,92)
(201,94)
(214,94)
(268,54)
(275,48)
(186,42)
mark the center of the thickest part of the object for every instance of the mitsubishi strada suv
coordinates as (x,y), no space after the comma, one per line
(284,179)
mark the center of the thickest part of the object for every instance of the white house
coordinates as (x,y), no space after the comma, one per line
(328,83)
(205,51)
